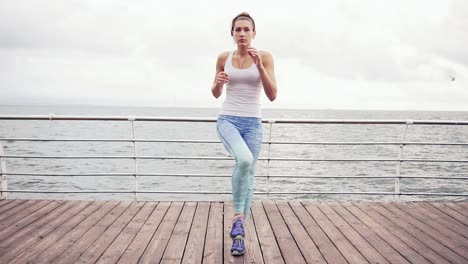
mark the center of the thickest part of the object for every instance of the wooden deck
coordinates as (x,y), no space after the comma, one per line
(53,231)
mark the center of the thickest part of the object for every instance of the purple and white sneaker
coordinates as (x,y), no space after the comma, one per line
(237,230)
(238,247)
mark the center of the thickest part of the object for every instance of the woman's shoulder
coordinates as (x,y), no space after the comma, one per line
(266,57)
(222,57)
(265,53)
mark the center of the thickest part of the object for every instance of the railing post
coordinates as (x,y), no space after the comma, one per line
(135,175)
(398,168)
(3,177)
(270,122)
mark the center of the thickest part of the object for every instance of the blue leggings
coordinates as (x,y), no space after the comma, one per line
(242,138)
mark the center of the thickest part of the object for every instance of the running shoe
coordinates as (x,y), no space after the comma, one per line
(238,247)
(237,230)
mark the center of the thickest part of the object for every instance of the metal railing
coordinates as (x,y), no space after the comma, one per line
(270,123)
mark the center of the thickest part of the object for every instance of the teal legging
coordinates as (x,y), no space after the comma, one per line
(242,138)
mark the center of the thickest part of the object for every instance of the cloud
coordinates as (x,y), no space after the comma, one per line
(339,54)
(376,40)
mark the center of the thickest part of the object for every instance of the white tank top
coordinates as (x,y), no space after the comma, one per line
(242,91)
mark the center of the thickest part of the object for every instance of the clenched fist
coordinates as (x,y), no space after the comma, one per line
(222,78)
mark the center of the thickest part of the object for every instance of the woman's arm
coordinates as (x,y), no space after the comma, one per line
(220,77)
(267,72)
(265,65)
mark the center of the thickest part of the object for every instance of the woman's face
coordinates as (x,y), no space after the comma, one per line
(243,32)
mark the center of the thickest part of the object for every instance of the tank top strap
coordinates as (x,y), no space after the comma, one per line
(229,59)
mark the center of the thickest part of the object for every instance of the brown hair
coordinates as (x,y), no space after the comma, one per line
(242,16)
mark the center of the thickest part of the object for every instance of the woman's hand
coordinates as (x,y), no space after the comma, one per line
(222,78)
(256,57)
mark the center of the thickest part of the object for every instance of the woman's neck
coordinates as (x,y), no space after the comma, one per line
(241,51)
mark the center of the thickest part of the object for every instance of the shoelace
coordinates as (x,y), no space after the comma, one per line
(238,224)
(238,242)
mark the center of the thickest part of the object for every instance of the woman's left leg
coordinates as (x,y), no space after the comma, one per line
(253,138)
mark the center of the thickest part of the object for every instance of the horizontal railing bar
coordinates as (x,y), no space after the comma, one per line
(228,176)
(365,143)
(431,177)
(217,141)
(259,193)
(107,118)
(365,121)
(118,174)
(221,158)
(109,140)
(112,157)
(73,174)
(434,194)
(213,119)
(118,191)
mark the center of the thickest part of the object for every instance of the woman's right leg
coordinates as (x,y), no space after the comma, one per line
(235,144)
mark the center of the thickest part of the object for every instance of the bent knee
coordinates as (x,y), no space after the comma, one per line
(245,162)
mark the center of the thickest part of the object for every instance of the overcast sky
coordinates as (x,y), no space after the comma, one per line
(338,54)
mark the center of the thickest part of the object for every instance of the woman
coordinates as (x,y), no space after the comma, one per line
(245,71)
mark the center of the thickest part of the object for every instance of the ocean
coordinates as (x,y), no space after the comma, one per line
(206,131)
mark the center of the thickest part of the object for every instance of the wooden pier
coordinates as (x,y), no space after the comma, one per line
(56,231)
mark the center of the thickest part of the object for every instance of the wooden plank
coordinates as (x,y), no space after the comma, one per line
(423,244)
(443,217)
(33,228)
(128,247)
(397,238)
(20,211)
(254,252)
(438,218)
(228,216)
(176,245)
(392,255)
(14,207)
(37,231)
(440,223)
(157,245)
(303,240)
(10,205)
(93,234)
(286,242)
(81,243)
(196,241)
(5,202)
(344,246)
(58,233)
(428,230)
(366,249)
(213,251)
(321,240)
(450,212)
(45,256)
(24,213)
(92,254)
(13,225)
(459,208)
(268,244)
(75,242)
(462,205)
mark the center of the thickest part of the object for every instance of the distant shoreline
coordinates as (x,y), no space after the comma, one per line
(216,108)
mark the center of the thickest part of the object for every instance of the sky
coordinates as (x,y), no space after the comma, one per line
(336,54)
